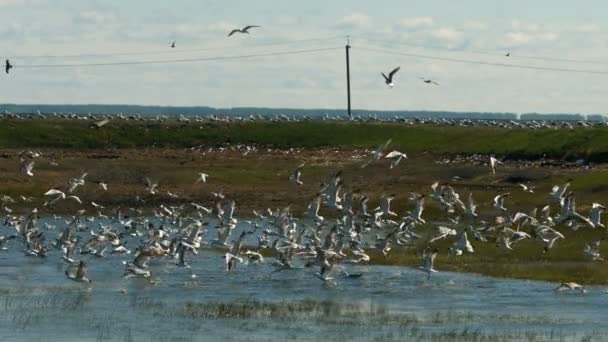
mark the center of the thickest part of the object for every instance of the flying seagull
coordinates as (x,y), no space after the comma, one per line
(101,123)
(9,66)
(389,79)
(173,45)
(428,81)
(243,30)
(508,54)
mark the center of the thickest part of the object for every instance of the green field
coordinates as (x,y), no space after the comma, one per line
(589,143)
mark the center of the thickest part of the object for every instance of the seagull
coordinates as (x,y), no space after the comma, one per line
(526,188)
(151,187)
(202,177)
(27,167)
(104,186)
(427,262)
(297,173)
(80,275)
(395,157)
(389,79)
(243,30)
(54,192)
(558,193)
(173,45)
(101,123)
(499,201)
(596,215)
(377,153)
(8,66)
(493,163)
(571,286)
(4,240)
(428,81)
(508,54)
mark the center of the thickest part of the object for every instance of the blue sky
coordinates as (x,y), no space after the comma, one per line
(466,29)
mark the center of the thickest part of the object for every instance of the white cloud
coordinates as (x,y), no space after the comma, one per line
(355,21)
(8,3)
(94,18)
(522,38)
(587,28)
(446,34)
(417,23)
(475,25)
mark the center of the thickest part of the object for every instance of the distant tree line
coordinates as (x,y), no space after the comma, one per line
(246,111)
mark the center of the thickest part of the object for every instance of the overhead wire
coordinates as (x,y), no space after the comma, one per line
(177,50)
(480,62)
(486,53)
(186,60)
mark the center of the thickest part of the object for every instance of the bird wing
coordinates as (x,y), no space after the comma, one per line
(54,192)
(385,77)
(248,27)
(393,72)
(233,32)
(395,154)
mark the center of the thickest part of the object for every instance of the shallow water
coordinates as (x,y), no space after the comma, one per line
(385,303)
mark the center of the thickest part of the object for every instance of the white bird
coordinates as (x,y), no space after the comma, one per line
(27,166)
(596,215)
(202,177)
(80,275)
(427,262)
(395,157)
(493,163)
(559,192)
(389,79)
(104,186)
(76,182)
(571,286)
(462,245)
(296,174)
(499,201)
(151,187)
(385,206)
(592,251)
(58,194)
(377,153)
(526,188)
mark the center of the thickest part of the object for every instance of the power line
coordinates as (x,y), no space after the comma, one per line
(487,53)
(176,51)
(479,62)
(279,53)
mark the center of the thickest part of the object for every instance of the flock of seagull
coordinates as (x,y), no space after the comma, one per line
(344,236)
(228,118)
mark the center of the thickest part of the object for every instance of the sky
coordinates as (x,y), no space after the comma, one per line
(383,34)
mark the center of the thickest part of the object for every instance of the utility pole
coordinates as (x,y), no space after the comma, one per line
(348,74)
